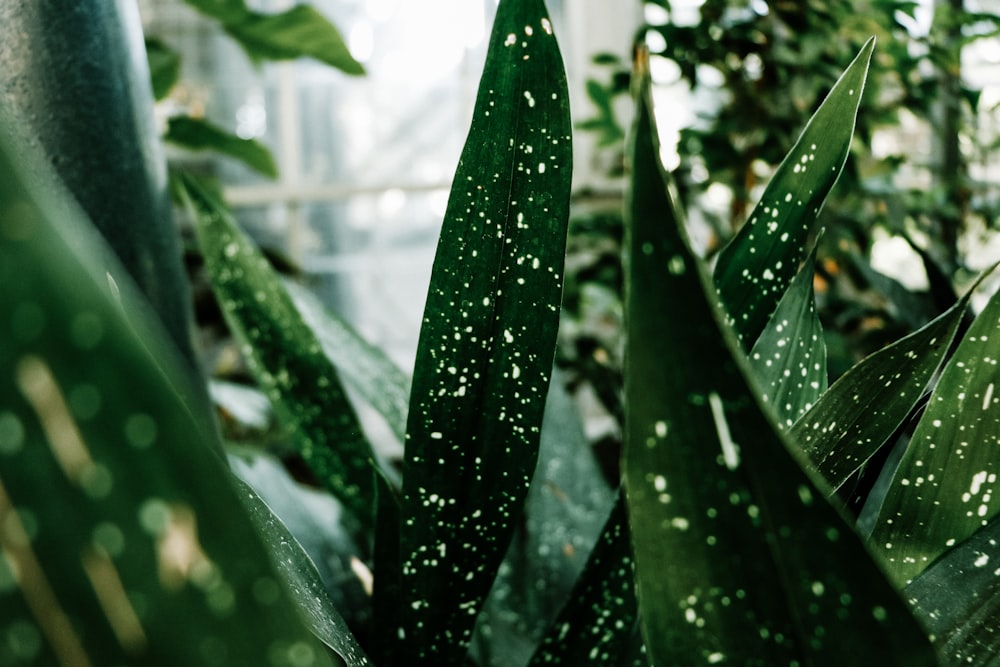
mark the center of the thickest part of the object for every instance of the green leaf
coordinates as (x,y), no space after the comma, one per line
(789,357)
(865,406)
(227,11)
(958,600)
(363,367)
(298,572)
(596,625)
(739,557)
(198,134)
(755,268)
(946,485)
(164,66)
(296,33)
(128,542)
(286,359)
(488,337)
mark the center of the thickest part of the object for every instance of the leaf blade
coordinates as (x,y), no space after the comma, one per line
(757,265)
(488,336)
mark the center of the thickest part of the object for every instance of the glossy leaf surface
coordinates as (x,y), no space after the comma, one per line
(284,355)
(739,558)
(488,338)
(755,268)
(859,412)
(945,487)
(789,357)
(123,541)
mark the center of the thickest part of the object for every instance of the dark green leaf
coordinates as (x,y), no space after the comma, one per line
(755,268)
(739,557)
(488,338)
(363,367)
(945,487)
(198,134)
(164,66)
(958,600)
(789,357)
(128,542)
(284,355)
(296,33)
(866,405)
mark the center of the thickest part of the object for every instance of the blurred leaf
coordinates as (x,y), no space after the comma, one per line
(755,268)
(739,557)
(128,542)
(597,622)
(945,487)
(789,357)
(363,367)
(298,572)
(958,599)
(488,338)
(866,405)
(224,10)
(198,134)
(298,32)
(284,355)
(164,66)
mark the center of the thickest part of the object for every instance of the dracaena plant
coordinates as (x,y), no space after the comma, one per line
(125,539)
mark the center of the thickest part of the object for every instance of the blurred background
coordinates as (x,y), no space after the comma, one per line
(364,163)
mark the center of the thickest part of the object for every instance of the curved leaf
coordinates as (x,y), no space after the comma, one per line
(488,338)
(198,134)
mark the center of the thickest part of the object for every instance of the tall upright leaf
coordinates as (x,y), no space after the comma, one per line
(123,541)
(739,558)
(946,486)
(755,268)
(488,337)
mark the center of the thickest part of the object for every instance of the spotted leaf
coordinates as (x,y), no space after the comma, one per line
(488,337)
(866,405)
(755,268)
(789,357)
(945,487)
(739,557)
(284,354)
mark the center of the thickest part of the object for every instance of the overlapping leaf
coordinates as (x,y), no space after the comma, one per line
(285,356)
(739,558)
(789,357)
(946,485)
(123,541)
(755,268)
(856,415)
(488,337)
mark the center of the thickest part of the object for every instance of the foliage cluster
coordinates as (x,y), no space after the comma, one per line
(734,537)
